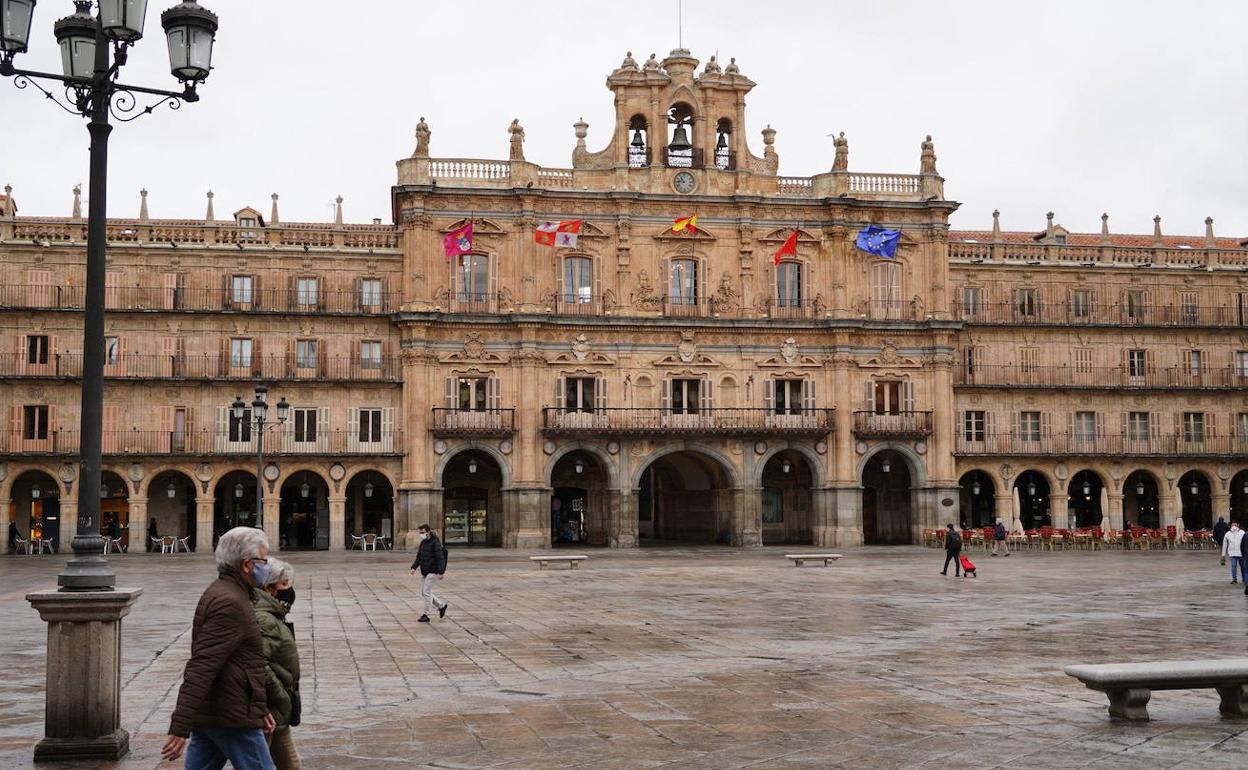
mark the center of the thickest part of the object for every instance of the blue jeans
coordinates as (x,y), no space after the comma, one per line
(210,747)
(1239,567)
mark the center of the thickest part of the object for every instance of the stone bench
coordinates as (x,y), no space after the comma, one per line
(1130,685)
(573,561)
(798,558)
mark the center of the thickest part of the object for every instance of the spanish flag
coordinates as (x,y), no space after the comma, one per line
(690,223)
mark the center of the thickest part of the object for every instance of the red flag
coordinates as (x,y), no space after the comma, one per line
(458,241)
(789,249)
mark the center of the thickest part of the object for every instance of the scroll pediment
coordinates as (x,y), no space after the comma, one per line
(591,230)
(782,234)
(780,362)
(464,358)
(666,234)
(677,359)
(888,356)
(479,226)
(599,359)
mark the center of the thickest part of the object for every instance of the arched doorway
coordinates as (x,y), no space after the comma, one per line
(787,500)
(472,503)
(1086,496)
(35,506)
(887,500)
(303,516)
(1140,501)
(977,504)
(1239,498)
(684,497)
(115,507)
(578,500)
(1032,489)
(234,503)
(170,508)
(370,506)
(1196,495)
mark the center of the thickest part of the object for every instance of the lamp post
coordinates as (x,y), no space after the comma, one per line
(91,67)
(260,423)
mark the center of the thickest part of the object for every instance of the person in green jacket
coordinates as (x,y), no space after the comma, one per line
(281,657)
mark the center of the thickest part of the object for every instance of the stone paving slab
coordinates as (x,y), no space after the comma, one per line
(700,658)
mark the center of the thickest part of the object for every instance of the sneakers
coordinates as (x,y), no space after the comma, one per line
(442,610)
(994,556)
(422,619)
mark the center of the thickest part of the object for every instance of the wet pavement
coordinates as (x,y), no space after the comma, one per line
(694,658)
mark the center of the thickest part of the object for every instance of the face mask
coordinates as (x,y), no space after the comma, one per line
(286,596)
(424,535)
(259,573)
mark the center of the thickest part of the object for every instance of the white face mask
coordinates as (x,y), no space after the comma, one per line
(424,535)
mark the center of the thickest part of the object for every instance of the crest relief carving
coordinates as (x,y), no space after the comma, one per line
(582,352)
(790,356)
(686,353)
(474,350)
(890,357)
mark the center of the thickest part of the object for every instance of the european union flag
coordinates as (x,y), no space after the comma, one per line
(876,240)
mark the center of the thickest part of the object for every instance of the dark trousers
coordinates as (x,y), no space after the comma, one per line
(957,563)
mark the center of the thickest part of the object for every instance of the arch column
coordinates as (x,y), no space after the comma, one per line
(138,523)
(1114,514)
(204,511)
(7,517)
(419,506)
(1059,510)
(1003,504)
(526,512)
(1221,505)
(1170,506)
(622,518)
(747,516)
(337,523)
(273,519)
(823,517)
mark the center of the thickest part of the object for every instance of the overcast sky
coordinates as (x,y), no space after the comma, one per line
(1135,107)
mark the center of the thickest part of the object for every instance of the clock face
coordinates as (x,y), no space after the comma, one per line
(684,182)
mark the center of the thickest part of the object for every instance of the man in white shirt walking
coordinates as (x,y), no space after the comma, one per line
(1232,546)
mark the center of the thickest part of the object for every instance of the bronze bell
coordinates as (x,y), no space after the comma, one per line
(637,142)
(722,144)
(680,140)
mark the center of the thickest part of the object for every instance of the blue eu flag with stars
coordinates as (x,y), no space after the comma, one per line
(877,240)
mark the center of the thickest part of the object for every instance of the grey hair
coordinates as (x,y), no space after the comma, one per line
(239,545)
(280,572)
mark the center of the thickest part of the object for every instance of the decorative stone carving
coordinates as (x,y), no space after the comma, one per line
(841,161)
(712,67)
(418,356)
(517,139)
(204,472)
(927,156)
(860,447)
(581,347)
(608,301)
(629,63)
(474,347)
(760,448)
(725,297)
(687,349)
(549,447)
(1007,471)
(136,473)
(645,298)
(337,472)
(422,139)
(1061,471)
(505,298)
(788,350)
(920,447)
(67,472)
(652,64)
(613,447)
(439,447)
(505,446)
(821,447)
(4,471)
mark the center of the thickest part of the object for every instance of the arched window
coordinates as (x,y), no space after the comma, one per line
(684,282)
(639,144)
(680,152)
(725,159)
(886,290)
(578,280)
(789,285)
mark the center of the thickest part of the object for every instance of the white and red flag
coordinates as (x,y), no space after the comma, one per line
(558,234)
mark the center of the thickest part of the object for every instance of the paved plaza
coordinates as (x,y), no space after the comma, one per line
(698,658)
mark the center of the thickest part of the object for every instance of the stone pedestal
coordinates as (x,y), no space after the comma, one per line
(82,718)
(203,525)
(338,523)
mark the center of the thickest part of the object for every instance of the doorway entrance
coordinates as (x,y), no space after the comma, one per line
(472,500)
(887,493)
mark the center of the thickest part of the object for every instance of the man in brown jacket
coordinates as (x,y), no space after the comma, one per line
(221,705)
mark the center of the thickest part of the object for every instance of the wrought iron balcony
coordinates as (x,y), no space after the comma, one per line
(145,366)
(203,300)
(1042,313)
(1113,444)
(198,443)
(1106,377)
(656,421)
(473,423)
(869,424)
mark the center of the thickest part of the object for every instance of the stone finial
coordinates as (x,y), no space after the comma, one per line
(582,131)
(1105,229)
(732,68)
(1048,227)
(143,206)
(927,156)
(210,216)
(273,211)
(841,161)
(77,210)
(1157,230)
(770,157)
(1210,241)
(996,226)
(422,139)
(517,139)
(338,210)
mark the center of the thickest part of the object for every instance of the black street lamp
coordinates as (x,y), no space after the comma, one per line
(91,90)
(260,423)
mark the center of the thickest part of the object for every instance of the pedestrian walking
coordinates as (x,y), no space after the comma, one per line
(281,656)
(431,562)
(1219,532)
(152,533)
(953,549)
(1232,546)
(999,544)
(12,537)
(222,712)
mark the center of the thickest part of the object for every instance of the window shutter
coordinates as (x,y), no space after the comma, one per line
(493,287)
(600,395)
(223,367)
(596,274)
(223,427)
(192,445)
(666,403)
(353,428)
(1070,424)
(1100,425)
(168,351)
(52,426)
(121,355)
(169,290)
(112,283)
(322,427)
(1178,426)
(291,356)
(256,297)
(357,294)
(769,397)
(960,426)
(15,428)
(1211,424)
(808,396)
(163,443)
(322,288)
(257,358)
(907,396)
(449,392)
(386,304)
(21,356)
(868,403)
(561,384)
(227,298)
(561,291)
(708,395)
(1018,424)
(990,424)
(111,443)
(292,293)
(322,358)
(1125,420)
(493,394)
(1046,425)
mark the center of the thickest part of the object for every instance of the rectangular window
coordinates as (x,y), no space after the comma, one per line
(1081,303)
(472,394)
(971,361)
(305,424)
(1028,359)
(370,354)
(35,422)
(370,425)
(1188,308)
(307,290)
(973,425)
(972,300)
(788,396)
(1135,364)
(888,397)
(1241,309)
(1195,361)
(686,396)
(683,287)
(112,350)
(1025,302)
(1241,427)
(1083,360)
(1241,363)
(1029,426)
(305,354)
(240,353)
(1193,426)
(1135,305)
(1085,426)
(370,292)
(579,393)
(37,349)
(789,284)
(240,290)
(240,427)
(1138,426)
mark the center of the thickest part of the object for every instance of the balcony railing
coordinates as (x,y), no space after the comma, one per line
(792,308)
(219,299)
(468,422)
(890,310)
(691,158)
(198,443)
(1077,314)
(143,366)
(870,424)
(1108,444)
(656,421)
(201,233)
(1115,377)
(1052,253)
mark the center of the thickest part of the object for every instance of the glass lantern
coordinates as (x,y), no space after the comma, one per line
(76,34)
(191,30)
(15,18)
(123,19)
